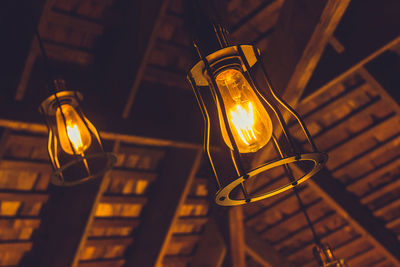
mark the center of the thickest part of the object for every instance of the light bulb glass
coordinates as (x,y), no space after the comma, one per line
(247,118)
(75,132)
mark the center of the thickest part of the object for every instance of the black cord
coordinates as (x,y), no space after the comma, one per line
(317,240)
(303,208)
(46,61)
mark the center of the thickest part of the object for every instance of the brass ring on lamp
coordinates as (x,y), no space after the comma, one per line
(222,197)
(56,177)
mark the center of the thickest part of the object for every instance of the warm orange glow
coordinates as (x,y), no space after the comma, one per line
(76,132)
(243,120)
(248,120)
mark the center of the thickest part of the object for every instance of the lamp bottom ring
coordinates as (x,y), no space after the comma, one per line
(222,196)
(57,176)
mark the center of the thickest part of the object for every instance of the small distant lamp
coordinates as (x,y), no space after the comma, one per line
(74,146)
(325,258)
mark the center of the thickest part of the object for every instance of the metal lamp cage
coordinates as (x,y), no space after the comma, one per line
(247,60)
(72,168)
(324,255)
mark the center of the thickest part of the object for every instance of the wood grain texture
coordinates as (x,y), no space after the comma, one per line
(168,195)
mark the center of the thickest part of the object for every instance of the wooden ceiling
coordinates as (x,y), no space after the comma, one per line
(336,61)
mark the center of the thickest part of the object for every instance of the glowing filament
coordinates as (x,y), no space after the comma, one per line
(75,137)
(73,133)
(243,120)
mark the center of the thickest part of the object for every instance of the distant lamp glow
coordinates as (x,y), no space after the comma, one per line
(325,258)
(241,109)
(74,145)
(75,133)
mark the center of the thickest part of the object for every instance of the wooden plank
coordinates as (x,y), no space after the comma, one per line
(176,260)
(23,196)
(65,53)
(123,199)
(193,220)
(262,252)
(211,249)
(134,222)
(19,222)
(114,222)
(18,165)
(102,263)
(390,206)
(201,201)
(80,24)
(185,238)
(302,31)
(21,246)
(168,195)
(109,241)
(358,216)
(380,192)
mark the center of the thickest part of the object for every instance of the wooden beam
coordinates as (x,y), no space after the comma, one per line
(262,252)
(38,128)
(301,33)
(211,249)
(168,195)
(130,55)
(358,216)
(236,232)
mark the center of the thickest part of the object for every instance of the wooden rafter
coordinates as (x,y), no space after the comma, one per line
(38,128)
(211,249)
(363,40)
(131,54)
(301,34)
(168,195)
(237,239)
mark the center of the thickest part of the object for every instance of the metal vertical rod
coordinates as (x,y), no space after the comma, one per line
(206,118)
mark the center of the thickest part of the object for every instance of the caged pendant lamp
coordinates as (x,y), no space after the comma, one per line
(243,115)
(74,145)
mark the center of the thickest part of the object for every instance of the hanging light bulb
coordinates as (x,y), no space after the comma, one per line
(250,123)
(232,86)
(74,145)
